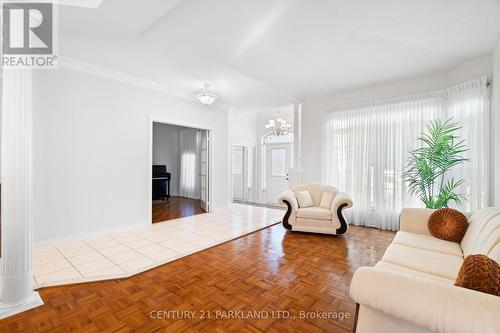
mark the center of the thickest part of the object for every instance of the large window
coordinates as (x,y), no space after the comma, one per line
(367,149)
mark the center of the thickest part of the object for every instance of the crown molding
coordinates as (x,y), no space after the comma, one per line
(121,77)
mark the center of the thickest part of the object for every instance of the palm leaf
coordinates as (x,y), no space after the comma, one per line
(428,166)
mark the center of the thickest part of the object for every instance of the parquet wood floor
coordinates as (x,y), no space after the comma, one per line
(269,270)
(175,208)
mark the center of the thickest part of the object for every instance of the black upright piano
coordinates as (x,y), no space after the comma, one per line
(161,183)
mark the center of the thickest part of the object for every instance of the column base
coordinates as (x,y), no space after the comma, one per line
(9,310)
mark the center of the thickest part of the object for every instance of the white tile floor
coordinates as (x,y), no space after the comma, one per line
(134,251)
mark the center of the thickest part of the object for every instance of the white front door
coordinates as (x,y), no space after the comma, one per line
(278,164)
(204,171)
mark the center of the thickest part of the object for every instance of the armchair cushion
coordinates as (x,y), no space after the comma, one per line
(315,213)
(304,198)
(326,199)
(315,189)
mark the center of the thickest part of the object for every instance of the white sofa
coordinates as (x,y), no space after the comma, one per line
(316,219)
(411,289)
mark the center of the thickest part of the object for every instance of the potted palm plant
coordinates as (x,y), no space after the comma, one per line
(427,173)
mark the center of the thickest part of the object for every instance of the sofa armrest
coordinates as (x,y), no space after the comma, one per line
(415,220)
(435,306)
(288,198)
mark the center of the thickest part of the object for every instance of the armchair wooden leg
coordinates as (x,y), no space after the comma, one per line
(343,223)
(287,215)
(355,318)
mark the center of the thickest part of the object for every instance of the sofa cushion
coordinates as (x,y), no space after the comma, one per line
(304,199)
(488,238)
(429,243)
(477,229)
(400,269)
(315,213)
(443,265)
(448,224)
(494,253)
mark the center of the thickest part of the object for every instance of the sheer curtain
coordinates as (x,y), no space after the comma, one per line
(189,146)
(469,104)
(367,147)
(348,156)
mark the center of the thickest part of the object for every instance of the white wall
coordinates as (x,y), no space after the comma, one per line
(91,150)
(166,152)
(248,125)
(244,128)
(312,160)
(496,124)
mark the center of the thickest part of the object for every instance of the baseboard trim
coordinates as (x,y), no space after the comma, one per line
(90,234)
(259,204)
(10,310)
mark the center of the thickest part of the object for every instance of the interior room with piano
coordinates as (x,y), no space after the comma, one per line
(178,172)
(195,166)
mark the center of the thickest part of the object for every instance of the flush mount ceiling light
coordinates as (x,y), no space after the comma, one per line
(205,97)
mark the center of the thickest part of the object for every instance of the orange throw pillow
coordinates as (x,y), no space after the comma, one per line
(448,224)
(480,273)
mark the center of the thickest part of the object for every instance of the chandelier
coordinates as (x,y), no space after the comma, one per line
(278,126)
(205,97)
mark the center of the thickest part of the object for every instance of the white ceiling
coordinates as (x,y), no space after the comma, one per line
(265,53)
(114,18)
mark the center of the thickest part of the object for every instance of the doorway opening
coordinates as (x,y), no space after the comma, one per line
(180,169)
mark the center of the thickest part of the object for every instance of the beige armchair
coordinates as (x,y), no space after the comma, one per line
(317,218)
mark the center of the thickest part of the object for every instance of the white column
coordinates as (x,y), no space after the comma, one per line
(297,135)
(230,119)
(495,125)
(16,286)
(295,174)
